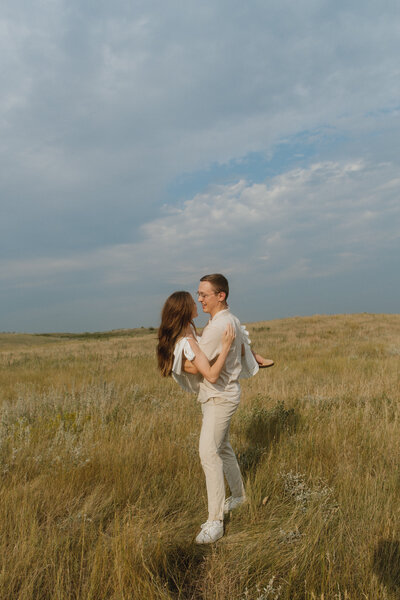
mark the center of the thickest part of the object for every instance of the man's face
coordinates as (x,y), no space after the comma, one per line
(209,300)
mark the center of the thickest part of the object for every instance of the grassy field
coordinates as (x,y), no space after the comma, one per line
(102,491)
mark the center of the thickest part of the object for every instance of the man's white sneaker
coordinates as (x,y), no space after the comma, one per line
(231,503)
(210,532)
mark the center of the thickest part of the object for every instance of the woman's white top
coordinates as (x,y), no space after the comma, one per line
(249,364)
(187,381)
(190,382)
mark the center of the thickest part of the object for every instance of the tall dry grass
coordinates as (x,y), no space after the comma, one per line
(102,491)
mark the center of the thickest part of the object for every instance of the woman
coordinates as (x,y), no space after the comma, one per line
(179,355)
(178,352)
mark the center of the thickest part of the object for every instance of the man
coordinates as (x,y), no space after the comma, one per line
(219,402)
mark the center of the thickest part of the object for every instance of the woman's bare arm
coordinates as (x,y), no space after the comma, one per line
(200,363)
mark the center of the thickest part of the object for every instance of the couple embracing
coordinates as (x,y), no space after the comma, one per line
(210,365)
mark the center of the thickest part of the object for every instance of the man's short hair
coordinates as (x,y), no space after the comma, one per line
(219,283)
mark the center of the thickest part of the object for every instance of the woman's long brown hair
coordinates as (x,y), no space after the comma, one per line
(175,317)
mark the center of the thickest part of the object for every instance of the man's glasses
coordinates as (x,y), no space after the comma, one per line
(204,296)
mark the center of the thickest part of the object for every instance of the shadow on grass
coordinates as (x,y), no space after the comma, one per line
(260,428)
(179,568)
(386,564)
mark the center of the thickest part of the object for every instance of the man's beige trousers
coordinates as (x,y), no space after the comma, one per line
(216,455)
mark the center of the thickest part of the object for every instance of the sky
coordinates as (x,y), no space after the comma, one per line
(145,144)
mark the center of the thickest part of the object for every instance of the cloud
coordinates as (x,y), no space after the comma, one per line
(306,223)
(104,108)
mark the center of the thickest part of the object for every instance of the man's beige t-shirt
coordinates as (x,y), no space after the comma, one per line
(227,384)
